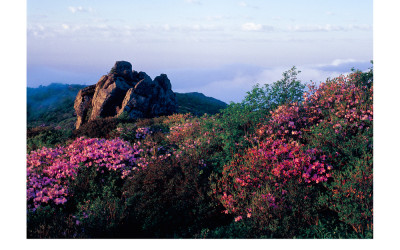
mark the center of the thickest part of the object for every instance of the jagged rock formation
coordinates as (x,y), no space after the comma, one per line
(125,90)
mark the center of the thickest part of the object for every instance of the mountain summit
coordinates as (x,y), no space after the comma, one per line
(125,90)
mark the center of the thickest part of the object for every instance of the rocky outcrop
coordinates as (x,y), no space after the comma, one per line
(125,91)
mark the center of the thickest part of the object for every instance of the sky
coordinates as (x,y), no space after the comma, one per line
(34,37)
(220,48)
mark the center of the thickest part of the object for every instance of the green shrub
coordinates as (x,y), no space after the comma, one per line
(277,165)
(49,222)
(235,230)
(39,137)
(98,128)
(169,198)
(239,121)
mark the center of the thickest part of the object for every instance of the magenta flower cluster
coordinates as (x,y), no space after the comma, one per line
(142,133)
(274,163)
(50,169)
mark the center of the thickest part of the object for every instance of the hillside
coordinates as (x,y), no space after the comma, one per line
(54,104)
(198,104)
(286,162)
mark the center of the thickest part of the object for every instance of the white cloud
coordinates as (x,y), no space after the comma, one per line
(79,9)
(345,65)
(246,5)
(337,62)
(328,28)
(360,27)
(232,89)
(251,27)
(39,31)
(217,18)
(256,27)
(193,2)
(201,27)
(243,4)
(313,28)
(40,27)
(233,86)
(278,18)
(311,74)
(180,28)
(108,32)
(167,27)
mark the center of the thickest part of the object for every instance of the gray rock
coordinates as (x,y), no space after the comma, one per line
(83,103)
(123,69)
(163,81)
(124,90)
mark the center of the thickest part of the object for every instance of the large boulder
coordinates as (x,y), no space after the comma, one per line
(125,91)
(83,103)
(124,69)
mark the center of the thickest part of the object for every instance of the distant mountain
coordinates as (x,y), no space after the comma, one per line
(198,104)
(54,104)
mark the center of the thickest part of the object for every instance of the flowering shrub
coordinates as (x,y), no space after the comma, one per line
(286,121)
(288,167)
(176,119)
(341,104)
(180,132)
(170,193)
(301,147)
(50,170)
(141,133)
(125,131)
(260,182)
(169,197)
(343,129)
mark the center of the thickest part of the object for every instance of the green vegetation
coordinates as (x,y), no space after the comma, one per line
(290,161)
(52,105)
(198,104)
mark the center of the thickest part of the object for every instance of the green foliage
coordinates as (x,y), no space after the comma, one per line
(363,78)
(186,162)
(170,201)
(39,137)
(124,117)
(286,90)
(240,120)
(198,104)
(50,223)
(235,230)
(335,118)
(52,105)
(97,197)
(235,123)
(350,146)
(98,128)
(270,96)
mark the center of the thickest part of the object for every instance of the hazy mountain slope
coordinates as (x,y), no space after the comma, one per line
(198,104)
(54,104)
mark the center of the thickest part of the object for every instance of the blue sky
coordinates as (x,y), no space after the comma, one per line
(221,48)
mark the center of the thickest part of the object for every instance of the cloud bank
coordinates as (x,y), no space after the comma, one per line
(235,83)
(227,83)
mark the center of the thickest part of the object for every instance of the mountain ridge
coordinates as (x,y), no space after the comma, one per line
(53,104)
